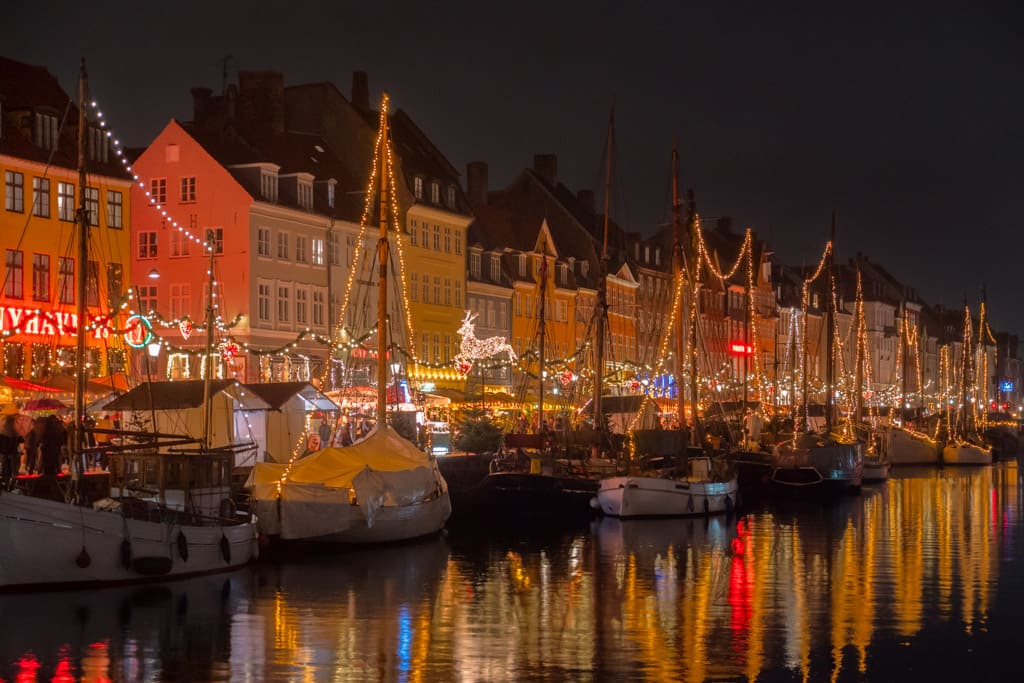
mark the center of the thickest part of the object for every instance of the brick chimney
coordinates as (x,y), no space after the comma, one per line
(361,90)
(586,199)
(200,104)
(476,182)
(261,98)
(546,165)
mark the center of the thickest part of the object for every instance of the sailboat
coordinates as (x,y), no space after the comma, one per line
(820,463)
(696,486)
(382,488)
(902,444)
(963,445)
(80,537)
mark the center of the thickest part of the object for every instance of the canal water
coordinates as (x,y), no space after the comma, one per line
(921,578)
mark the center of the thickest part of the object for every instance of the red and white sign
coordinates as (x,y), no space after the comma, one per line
(740,349)
(39,323)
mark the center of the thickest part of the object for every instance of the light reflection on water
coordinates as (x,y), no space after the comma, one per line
(918,577)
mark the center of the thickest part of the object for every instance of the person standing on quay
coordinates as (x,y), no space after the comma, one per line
(9,456)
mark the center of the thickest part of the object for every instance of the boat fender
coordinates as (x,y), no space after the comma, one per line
(689,503)
(126,553)
(83,560)
(728,504)
(182,546)
(707,506)
(227,509)
(225,549)
(595,503)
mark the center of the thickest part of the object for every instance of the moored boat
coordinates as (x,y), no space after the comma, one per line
(966,453)
(908,447)
(699,492)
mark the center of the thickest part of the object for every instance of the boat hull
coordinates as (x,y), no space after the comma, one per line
(629,497)
(390,523)
(875,470)
(966,454)
(817,470)
(43,542)
(524,498)
(907,449)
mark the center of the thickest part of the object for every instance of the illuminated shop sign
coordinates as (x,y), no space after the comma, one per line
(40,323)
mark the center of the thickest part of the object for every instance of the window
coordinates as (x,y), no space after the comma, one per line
(158,190)
(414,286)
(458,294)
(115,208)
(115,283)
(435,192)
(41,277)
(350,249)
(188,189)
(14,281)
(66,280)
(46,131)
(425,234)
(92,205)
(302,306)
(412,233)
(14,359)
(334,249)
(317,252)
(458,241)
(300,248)
(15,196)
(417,187)
(282,245)
(147,244)
(263,241)
(305,195)
(41,197)
(92,283)
(447,239)
(474,264)
(330,195)
(522,265)
(263,298)
(268,186)
(318,307)
(65,201)
(495,268)
(447,291)
(117,361)
(181,295)
(426,288)
(98,145)
(180,244)
(451,196)
(216,236)
(437,348)
(147,298)
(437,238)
(437,289)
(284,303)
(490,314)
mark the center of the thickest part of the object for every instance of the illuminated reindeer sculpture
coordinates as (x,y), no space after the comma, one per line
(472,349)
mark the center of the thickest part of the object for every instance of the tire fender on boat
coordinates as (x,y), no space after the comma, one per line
(126,553)
(225,549)
(83,560)
(707,506)
(689,503)
(182,546)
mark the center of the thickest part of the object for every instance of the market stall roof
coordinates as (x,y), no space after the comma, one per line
(276,394)
(183,394)
(25,385)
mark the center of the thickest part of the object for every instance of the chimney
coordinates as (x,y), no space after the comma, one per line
(200,103)
(261,98)
(476,182)
(361,90)
(586,199)
(546,165)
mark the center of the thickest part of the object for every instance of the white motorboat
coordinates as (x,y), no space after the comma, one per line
(876,468)
(382,488)
(966,453)
(908,447)
(697,493)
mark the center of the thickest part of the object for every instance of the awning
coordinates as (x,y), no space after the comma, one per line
(25,385)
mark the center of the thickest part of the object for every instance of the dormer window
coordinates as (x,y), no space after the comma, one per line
(657,256)
(98,147)
(305,195)
(330,195)
(647,254)
(417,187)
(474,265)
(563,273)
(46,131)
(451,197)
(495,268)
(268,186)
(435,192)
(522,265)
(584,268)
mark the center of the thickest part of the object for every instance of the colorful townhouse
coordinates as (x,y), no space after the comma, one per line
(39,165)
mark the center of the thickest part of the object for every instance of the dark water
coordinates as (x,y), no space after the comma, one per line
(918,579)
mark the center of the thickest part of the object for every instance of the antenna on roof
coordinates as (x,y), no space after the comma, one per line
(224,74)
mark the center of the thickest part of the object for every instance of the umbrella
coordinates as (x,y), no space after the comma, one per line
(41,404)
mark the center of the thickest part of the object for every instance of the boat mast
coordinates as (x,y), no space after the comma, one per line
(829,331)
(859,350)
(83,275)
(382,253)
(691,222)
(211,249)
(677,277)
(541,312)
(602,295)
(905,358)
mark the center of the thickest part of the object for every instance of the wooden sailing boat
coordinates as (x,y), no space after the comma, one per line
(823,463)
(678,486)
(903,445)
(382,488)
(963,445)
(78,536)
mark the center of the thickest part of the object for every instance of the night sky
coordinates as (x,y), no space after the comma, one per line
(908,123)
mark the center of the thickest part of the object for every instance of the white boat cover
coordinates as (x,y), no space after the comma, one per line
(314,497)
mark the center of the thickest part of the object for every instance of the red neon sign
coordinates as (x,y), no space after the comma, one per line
(740,349)
(33,322)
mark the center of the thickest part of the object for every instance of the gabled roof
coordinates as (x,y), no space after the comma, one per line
(182,395)
(276,394)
